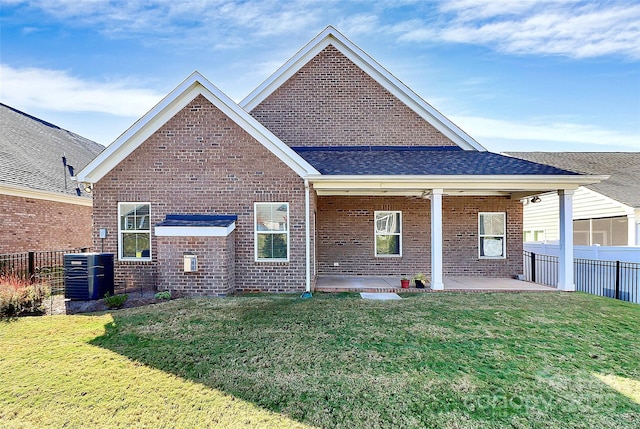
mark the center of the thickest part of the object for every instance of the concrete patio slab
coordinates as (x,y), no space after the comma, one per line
(382,284)
(492,284)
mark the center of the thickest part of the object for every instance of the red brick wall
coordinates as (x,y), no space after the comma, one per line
(460,237)
(345,235)
(330,101)
(28,224)
(200,161)
(216,260)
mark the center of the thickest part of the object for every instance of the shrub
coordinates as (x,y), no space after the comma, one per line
(18,297)
(115,301)
(163,295)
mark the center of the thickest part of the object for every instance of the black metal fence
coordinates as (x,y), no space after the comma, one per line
(613,279)
(45,266)
(541,269)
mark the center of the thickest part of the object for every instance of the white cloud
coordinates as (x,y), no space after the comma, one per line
(217,24)
(566,132)
(56,90)
(358,24)
(472,10)
(574,29)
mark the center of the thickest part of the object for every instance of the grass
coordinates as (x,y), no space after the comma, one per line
(446,360)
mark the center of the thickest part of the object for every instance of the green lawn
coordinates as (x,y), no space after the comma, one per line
(450,360)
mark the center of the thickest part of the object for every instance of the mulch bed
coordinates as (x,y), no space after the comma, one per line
(57,304)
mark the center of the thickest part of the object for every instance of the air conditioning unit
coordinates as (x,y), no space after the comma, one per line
(88,276)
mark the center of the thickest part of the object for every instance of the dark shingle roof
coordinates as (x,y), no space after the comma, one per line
(422,160)
(31,152)
(623,167)
(198,220)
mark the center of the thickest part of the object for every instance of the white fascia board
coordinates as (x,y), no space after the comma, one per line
(194,231)
(17,191)
(331,36)
(509,183)
(416,193)
(180,97)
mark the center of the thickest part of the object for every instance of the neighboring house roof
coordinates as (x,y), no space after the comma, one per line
(177,99)
(331,36)
(623,169)
(31,152)
(421,160)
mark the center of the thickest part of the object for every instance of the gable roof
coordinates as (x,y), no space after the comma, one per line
(331,36)
(31,153)
(623,169)
(420,160)
(175,101)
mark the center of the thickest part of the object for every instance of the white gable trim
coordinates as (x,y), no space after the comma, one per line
(331,36)
(177,99)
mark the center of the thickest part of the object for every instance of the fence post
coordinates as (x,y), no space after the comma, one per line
(31,269)
(617,279)
(533,267)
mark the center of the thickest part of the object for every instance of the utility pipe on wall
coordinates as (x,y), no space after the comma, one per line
(307,216)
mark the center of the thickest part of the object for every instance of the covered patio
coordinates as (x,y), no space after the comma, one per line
(448,201)
(451,284)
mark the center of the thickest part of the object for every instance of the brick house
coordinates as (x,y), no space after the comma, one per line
(331,167)
(40,208)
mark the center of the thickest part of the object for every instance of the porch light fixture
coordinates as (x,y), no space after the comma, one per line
(535,199)
(88,188)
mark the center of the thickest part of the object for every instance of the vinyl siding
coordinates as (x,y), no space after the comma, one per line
(587,204)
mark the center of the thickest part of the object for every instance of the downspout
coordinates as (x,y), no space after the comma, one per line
(307,210)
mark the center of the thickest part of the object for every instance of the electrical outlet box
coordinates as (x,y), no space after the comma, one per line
(336,264)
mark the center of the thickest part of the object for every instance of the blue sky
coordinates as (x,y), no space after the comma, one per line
(516,75)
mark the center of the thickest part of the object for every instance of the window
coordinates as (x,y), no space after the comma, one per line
(534,235)
(492,235)
(605,232)
(271,231)
(388,233)
(134,231)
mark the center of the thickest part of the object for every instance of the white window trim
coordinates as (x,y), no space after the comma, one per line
(375,234)
(120,231)
(255,233)
(504,236)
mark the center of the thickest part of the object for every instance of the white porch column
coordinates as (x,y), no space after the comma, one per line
(565,262)
(436,240)
(632,240)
